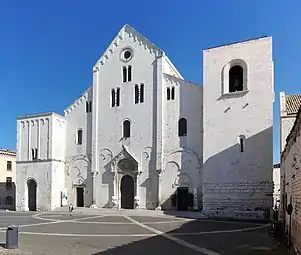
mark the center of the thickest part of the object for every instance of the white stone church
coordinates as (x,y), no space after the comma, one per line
(143,137)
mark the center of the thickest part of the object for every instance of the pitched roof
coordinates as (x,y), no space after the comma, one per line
(293,103)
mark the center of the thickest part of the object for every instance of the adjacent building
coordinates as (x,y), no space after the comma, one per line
(7,179)
(291,189)
(144,137)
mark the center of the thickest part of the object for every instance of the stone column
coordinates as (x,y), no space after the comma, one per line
(137,199)
(159,172)
(114,179)
(94,190)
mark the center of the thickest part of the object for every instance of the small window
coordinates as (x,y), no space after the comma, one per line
(79,136)
(129,73)
(242,143)
(113,98)
(8,200)
(8,182)
(182,128)
(88,106)
(9,166)
(124,74)
(168,93)
(34,154)
(173,93)
(118,97)
(136,94)
(126,129)
(236,74)
(141,93)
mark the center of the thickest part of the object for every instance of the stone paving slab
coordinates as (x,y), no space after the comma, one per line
(86,229)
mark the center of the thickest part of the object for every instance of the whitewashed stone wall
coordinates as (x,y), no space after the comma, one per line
(238,184)
(291,165)
(182,155)
(45,132)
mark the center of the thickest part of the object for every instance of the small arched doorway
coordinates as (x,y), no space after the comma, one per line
(32,195)
(127,192)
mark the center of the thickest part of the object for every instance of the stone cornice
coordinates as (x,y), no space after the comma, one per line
(82,98)
(8,153)
(136,37)
(39,161)
(39,115)
(177,81)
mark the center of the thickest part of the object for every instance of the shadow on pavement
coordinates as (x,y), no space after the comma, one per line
(250,242)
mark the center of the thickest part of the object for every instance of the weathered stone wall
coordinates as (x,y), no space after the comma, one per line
(291,166)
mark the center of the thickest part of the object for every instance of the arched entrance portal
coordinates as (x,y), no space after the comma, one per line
(32,195)
(127,192)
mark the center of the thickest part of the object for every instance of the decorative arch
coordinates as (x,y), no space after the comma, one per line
(126,128)
(234,76)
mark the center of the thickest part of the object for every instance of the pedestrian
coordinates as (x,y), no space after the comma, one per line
(70,209)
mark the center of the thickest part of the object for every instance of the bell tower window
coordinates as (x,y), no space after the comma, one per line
(236,75)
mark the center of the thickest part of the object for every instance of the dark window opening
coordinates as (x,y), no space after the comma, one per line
(113,97)
(127,54)
(168,93)
(126,129)
(129,73)
(90,106)
(136,94)
(236,79)
(79,136)
(87,106)
(124,74)
(142,93)
(118,97)
(8,165)
(9,183)
(172,93)
(241,144)
(34,154)
(182,127)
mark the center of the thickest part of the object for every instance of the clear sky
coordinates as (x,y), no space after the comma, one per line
(48,48)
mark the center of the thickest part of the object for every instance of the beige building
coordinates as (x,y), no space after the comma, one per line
(7,179)
(291,187)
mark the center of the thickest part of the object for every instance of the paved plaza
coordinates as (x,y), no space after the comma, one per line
(110,232)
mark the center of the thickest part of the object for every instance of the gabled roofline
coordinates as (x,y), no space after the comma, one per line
(173,67)
(76,100)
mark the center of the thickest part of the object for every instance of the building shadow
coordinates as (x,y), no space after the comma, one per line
(226,243)
(244,188)
(7,196)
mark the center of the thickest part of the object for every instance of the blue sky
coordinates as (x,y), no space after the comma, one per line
(48,48)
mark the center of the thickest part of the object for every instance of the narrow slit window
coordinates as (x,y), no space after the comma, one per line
(241,144)
(113,97)
(124,74)
(118,97)
(136,94)
(87,107)
(90,106)
(36,153)
(168,93)
(32,154)
(8,183)
(126,129)
(182,128)
(173,93)
(141,93)
(79,136)
(129,73)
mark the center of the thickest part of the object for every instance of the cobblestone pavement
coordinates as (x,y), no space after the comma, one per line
(126,232)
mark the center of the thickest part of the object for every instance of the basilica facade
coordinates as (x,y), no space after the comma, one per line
(143,137)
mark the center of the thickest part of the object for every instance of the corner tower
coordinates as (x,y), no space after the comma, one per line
(238,121)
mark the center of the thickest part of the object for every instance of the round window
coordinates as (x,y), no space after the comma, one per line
(127,54)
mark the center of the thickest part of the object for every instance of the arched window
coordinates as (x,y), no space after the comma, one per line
(168,93)
(118,97)
(8,200)
(236,78)
(113,98)
(141,93)
(173,93)
(126,129)
(129,73)
(242,143)
(182,128)
(136,94)
(79,136)
(124,74)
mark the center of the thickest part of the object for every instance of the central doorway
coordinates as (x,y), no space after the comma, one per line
(79,196)
(127,192)
(182,199)
(32,195)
